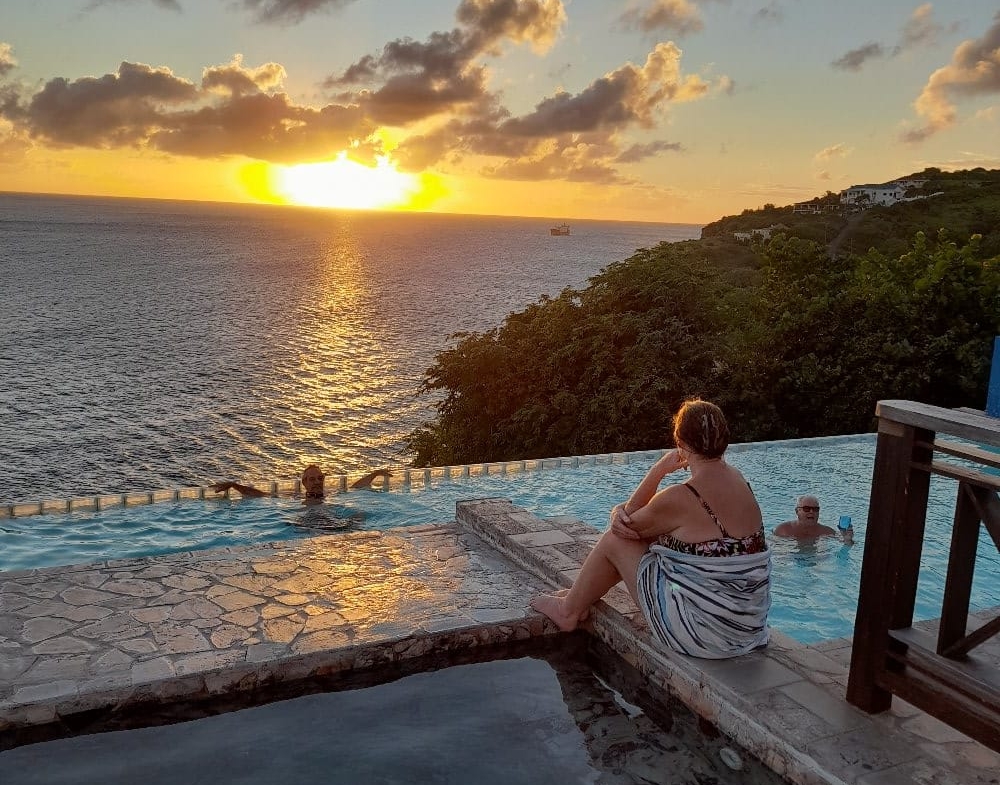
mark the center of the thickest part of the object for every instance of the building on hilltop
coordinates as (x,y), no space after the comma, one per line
(763,234)
(807,207)
(871,195)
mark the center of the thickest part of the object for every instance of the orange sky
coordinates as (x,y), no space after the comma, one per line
(651,110)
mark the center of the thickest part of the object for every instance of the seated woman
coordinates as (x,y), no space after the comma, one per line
(693,555)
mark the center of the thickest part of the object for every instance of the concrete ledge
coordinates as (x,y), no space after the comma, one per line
(784,703)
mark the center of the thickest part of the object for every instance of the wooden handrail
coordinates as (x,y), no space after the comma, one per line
(975,426)
(943,679)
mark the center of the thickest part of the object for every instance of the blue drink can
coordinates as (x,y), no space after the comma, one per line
(844,522)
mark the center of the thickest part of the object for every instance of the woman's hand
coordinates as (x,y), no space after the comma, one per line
(671,462)
(621,523)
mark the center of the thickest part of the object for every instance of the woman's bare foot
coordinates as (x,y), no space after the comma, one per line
(583,616)
(552,606)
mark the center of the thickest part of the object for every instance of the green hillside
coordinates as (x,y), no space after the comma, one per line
(963,203)
(791,339)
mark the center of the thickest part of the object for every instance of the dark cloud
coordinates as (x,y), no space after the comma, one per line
(856,58)
(235,111)
(772,12)
(414,80)
(237,80)
(974,70)
(571,164)
(920,30)
(640,152)
(290,11)
(281,12)
(677,16)
(627,96)
(268,127)
(113,110)
(569,137)
(171,5)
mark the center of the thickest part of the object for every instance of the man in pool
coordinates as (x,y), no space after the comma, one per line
(806,525)
(312,483)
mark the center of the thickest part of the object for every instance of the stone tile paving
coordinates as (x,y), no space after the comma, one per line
(784,703)
(89,637)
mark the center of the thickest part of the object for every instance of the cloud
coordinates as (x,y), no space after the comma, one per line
(437,91)
(234,111)
(630,95)
(640,152)
(772,12)
(7,61)
(569,136)
(237,80)
(839,150)
(290,11)
(678,16)
(171,5)
(415,80)
(919,31)
(280,12)
(974,70)
(856,58)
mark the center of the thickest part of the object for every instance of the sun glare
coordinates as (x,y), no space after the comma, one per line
(347,184)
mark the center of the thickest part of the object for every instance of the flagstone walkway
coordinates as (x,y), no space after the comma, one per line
(81,644)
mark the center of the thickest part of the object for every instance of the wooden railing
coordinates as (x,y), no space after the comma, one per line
(889,657)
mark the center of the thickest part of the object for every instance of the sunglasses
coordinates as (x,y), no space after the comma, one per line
(807,508)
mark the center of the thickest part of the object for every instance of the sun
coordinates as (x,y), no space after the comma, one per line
(346,184)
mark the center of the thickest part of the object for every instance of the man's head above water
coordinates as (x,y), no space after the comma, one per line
(312,481)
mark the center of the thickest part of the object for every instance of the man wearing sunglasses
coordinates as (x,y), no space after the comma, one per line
(807,526)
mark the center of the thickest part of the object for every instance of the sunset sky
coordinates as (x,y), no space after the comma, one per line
(649,110)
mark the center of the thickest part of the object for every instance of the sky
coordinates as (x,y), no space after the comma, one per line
(643,110)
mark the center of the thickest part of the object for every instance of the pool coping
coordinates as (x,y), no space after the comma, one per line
(454,586)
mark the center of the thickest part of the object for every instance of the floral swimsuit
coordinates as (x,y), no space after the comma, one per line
(723,546)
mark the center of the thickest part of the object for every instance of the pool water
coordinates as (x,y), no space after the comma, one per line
(545,718)
(814,589)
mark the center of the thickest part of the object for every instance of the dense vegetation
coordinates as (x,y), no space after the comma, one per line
(789,340)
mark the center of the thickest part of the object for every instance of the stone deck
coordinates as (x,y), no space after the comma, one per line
(90,641)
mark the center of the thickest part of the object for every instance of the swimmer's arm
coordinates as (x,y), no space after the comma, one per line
(366,481)
(246,491)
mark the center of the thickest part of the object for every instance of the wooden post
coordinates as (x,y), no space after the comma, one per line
(888,499)
(993,396)
(961,565)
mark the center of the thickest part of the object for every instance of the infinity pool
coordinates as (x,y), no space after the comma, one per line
(815,585)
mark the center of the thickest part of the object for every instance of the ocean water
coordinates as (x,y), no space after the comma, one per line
(150,344)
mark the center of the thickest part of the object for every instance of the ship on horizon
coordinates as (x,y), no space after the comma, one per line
(559,230)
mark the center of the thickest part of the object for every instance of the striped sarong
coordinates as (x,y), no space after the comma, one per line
(706,606)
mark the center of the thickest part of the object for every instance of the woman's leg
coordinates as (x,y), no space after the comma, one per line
(613,559)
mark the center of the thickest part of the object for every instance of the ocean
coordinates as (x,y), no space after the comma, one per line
(149,344)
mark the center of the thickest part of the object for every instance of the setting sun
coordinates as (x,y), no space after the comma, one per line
(345,183)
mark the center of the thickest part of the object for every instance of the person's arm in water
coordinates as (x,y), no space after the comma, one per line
(246,491)
(366,481)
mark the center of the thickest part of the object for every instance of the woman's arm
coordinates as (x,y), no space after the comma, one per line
(624,520)
(669,463)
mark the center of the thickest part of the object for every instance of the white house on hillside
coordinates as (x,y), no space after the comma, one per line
(763,234)
(871,195)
